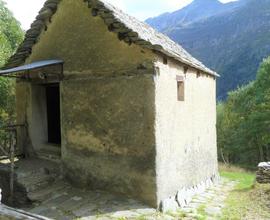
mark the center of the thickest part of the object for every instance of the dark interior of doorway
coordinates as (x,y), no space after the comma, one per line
(53,113)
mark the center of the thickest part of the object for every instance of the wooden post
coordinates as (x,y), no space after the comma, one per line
(12,152)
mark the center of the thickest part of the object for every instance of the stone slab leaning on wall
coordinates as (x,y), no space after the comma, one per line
(185,195)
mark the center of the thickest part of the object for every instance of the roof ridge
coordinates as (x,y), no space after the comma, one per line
(128,28)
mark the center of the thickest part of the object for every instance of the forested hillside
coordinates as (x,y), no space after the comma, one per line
(244,122)
(196,11)
(11,36)
(233,42)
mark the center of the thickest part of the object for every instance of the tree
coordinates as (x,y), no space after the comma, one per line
(244,121)
(11,35)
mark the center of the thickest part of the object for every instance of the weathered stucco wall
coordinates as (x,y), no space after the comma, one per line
(85,44)
(24,117)
(22,91)
(107,104)
(108,134)
(185,130)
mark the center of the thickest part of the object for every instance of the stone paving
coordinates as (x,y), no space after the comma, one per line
(66,202)
(63,201)
(211,202)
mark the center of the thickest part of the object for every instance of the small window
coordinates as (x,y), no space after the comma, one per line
(185,69)
(198,74)
(165,61)
(180,91)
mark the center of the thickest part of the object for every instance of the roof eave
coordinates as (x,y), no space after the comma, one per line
(118,22)
(205,70)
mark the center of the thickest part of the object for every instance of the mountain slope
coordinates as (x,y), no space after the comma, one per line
(232,43)
(197,10)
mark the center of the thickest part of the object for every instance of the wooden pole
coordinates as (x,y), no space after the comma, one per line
(12,152)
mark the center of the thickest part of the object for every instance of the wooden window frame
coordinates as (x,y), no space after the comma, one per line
(180,88)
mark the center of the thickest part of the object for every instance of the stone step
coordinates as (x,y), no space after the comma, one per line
(50,152)
(21,176)
(36,181)
(38,184)
(36,174)
(38,167)
(49,156)
(32,175)
(47,192)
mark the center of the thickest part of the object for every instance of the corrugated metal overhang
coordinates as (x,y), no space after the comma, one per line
(20,70)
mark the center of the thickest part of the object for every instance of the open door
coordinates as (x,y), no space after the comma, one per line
(53,113)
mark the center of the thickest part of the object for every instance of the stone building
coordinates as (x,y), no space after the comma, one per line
(120,106)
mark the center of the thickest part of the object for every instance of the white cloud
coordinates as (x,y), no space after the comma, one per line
(118,3)
(143,9)
(25,11)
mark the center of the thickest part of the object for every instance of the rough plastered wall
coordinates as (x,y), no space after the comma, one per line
(108,134)
(107,104)
(84,43)
(22,106)
(185,130)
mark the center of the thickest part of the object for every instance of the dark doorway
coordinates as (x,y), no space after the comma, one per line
(53,113)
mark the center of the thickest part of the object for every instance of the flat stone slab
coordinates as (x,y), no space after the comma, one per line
(9,213)
(264,164)
(74,203)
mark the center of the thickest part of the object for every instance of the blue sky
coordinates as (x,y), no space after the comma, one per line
(141,9)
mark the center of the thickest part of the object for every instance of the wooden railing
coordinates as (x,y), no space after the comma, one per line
(8,143)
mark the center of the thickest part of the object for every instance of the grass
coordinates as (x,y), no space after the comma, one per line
(248,200)
(201,211)
(244,180)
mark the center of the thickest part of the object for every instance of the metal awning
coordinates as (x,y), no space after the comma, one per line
(31,66)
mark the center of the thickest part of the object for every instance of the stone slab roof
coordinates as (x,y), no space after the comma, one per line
(128,28)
